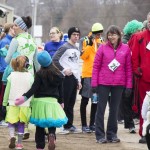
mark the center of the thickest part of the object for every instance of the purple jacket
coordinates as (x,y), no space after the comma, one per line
(101,74)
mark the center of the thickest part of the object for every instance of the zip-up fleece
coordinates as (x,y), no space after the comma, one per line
(101,73)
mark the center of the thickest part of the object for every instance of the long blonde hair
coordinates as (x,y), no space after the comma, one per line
(6,29)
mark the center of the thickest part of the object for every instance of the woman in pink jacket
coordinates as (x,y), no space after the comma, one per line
(112,72)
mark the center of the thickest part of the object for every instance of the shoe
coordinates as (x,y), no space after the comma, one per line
(19,146)
(26,136)
(113,140)
(51,142)
(63,131)
(3,123)
(73,129)
(12,143)
(132,130)
(92,128)
(120,121)
(86,129)
(142,140)
(136,121)
(102,141)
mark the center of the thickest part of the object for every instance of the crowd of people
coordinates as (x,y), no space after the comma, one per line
(40,87)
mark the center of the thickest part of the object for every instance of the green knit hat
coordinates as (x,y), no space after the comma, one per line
(132,26)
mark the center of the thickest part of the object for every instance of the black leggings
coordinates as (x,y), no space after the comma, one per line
(40,136)
(83,105)
(148,136)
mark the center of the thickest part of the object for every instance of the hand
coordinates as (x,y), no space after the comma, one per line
(79,86)
(20,100)
(90,41)
(128,92)
(94,89)
(67,72)
(62,105)
(138,72)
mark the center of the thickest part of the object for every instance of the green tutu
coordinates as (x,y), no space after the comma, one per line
(16,113)
(47,112)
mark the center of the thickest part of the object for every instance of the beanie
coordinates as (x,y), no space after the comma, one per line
(44,58)
(97,28)
(71,30)
(65,37)
(19,21)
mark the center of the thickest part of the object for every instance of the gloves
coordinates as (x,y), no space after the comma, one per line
(90,43)
(20,100)
(94,89)
(138,72)
(128,92)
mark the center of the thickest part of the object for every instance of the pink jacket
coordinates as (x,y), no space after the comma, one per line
(101,73)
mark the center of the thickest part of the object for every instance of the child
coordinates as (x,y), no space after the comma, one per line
(145,112)
(18,82)
(46,111)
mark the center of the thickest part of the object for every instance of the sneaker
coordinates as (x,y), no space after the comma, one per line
(51,142)
(136,121)
(12,143)
(92,128)
(19,146)
(3,123)
(26,136)
(102,141)
(132,130)
(142,140)
(86,129)
(120,121)
(73,129)
(113,140)
(63,131)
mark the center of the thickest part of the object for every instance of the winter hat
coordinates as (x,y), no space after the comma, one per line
(65,37)
(71,30)
(97,28)
(132,26)
(44,58)
(19,21)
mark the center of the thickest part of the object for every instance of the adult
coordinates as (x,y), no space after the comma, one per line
(125,110)
(55,41)
(8,34)
(67,60)
(141,62)
(90,46)
(25,45)
(112,72)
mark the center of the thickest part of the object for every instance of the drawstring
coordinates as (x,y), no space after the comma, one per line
(135,99)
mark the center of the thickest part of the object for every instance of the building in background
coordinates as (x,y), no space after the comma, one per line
(6,14)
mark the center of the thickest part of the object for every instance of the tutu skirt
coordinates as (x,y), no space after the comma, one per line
(47,112)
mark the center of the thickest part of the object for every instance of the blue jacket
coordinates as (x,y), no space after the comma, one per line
(52,47)
(5,41)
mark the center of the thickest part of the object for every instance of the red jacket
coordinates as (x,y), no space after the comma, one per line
(140,54)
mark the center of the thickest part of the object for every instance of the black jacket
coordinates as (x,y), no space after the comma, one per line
(47,87)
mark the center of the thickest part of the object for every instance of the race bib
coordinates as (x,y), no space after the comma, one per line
(148,46)
(113,65)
